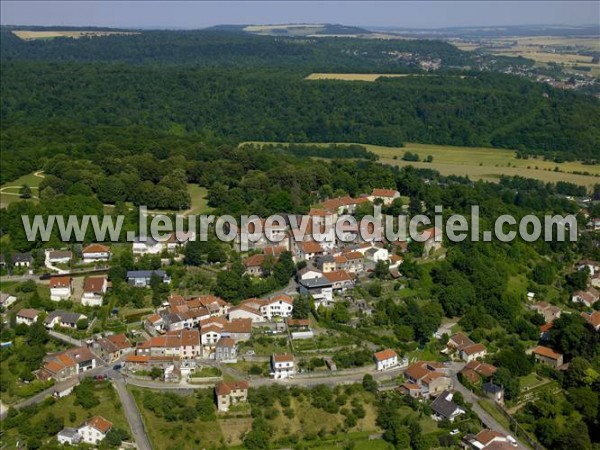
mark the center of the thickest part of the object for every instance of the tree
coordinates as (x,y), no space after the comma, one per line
(369,384)
(155,373)
(82,324)
(585,400)
(25,191)
(381,270)
(301,308)
(503,377)
(38,335)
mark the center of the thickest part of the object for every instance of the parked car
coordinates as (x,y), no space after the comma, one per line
(454,432)
(117,367)
(46,276)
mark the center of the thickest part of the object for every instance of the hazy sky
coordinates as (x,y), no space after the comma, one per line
(189,14)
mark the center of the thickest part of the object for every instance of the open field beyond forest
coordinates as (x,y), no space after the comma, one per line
(480,163)
(354,76)
(27,35)
(542,49)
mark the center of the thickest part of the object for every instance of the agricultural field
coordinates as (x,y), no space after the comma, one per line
(487,163)
(354,76)
(27,35)
(542,49)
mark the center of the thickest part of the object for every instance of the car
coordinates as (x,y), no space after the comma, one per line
(46,276)
(454,432)
(512,441)
(447,363)
(117,367)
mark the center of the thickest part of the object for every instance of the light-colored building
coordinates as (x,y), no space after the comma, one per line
(282,366)
(472,352)
(94,289)
(226,350)
(67,364)
(231,393)
(59,256)
(68,436)
(183,344)
(61,288)
(444,408)
(387,195)
(111,348)
(385,359)
(27,316)
(6,299)
(587,297)
(280,305)
(94,430)
(96,252)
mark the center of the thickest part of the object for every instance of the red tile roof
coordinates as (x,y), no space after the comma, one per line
(94,284)
(225,388)
(385,354)
(60,282)
(96,248)
(546,352)
(99,423)
(384,192)
(286,357)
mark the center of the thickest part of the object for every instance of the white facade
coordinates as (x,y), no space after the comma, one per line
(276,308)
(58,294)
(245,313)
(282,367)
(90,435)
(377,254)
(387,363)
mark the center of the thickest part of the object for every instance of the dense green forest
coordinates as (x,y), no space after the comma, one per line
(44,103)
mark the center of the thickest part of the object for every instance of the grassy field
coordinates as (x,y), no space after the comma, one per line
(27,35)
(199,200)
(542,49)
(9,192)
(482,163)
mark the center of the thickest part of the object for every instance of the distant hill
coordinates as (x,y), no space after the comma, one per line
(497,31)
(295,30)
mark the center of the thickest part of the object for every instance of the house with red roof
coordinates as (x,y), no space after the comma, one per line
(231,393)
(385,359)
(61,288)
(96,252)
(282,366)
(387,195)
(94,289)
(546,355)
(593,318)
(94,430)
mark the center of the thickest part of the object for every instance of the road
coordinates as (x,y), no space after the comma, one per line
(487,419)
(132,413)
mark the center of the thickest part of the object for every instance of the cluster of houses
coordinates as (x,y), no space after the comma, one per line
(461,345)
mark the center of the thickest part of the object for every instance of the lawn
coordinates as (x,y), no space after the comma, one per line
(199,200)
(9,192)
(74,415)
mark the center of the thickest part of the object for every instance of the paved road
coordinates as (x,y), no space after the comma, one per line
(132,413)
(487,419)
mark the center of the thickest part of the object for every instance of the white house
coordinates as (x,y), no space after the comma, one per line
(147,247)
(243,311)
(96,252)
(306,251)
(6,299)
(94,289)
(27,316)
(277,306)
(94,430)
(282,366)
(472,352)
(377,254)
(61,288)
(58,256)
(387,195)
(69,436)
(385,359)
(588,297)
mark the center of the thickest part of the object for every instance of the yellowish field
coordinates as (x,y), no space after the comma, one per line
(480,163)
(542,49)
(353,76)
(27,35)
(487,163)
